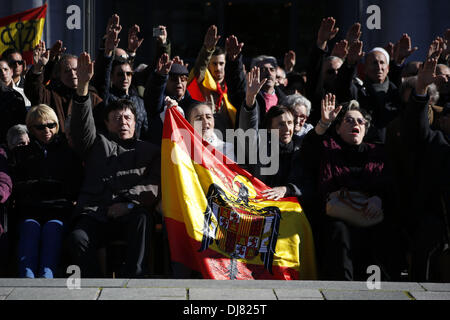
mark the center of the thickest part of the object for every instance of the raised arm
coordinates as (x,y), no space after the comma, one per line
(34,87)
(205,54)
(82,125)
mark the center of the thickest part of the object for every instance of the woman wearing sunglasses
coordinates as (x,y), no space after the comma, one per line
(46,177)
(335,156)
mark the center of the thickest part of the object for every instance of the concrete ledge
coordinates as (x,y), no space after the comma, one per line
(219,290)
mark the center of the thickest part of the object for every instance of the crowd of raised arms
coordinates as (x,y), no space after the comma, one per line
(76,131)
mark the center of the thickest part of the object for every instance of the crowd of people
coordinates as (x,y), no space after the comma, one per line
(80,154)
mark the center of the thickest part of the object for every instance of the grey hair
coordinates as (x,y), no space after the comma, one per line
(331,58)
(259,59)
(14,131)
(294,100)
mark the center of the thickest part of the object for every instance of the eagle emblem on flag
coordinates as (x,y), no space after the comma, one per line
(238,228)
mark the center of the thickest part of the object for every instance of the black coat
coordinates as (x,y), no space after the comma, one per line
(46,179)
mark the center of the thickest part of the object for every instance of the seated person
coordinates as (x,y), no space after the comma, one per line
(17,136)
(301,109)
(46,175)
(336,157)
(61,90)
(122,185)
(200,116)
(5,192)
(279,120)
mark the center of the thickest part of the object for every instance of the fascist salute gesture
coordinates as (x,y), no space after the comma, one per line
(85,72)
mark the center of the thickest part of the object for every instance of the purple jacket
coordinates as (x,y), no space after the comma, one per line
(5,179)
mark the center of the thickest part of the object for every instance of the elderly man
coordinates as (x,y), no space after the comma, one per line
(376,93)
(60,92)
(168,80)
(122,181)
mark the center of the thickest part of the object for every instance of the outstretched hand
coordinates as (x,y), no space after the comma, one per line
(355,53)
(133,39)
(340,49)
(327,31)
(254,85)
(164,65)
(427,74)
(85,72)
(354,33)
(57,50)
(329,110)
(403,49)
(40,55)
(211,38)
(233,47)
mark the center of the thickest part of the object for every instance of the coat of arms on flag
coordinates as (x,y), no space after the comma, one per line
(22,31)
(217,221)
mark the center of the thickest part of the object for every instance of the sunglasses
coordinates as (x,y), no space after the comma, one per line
(21,62)
(353,121)
(127,73)
(42,127)
(175,77)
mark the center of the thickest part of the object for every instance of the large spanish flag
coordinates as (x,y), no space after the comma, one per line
(217,222)
(22,31)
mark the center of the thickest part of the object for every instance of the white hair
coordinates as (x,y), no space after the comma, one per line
(294,100)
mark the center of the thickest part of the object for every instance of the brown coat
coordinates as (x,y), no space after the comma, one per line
(55,95)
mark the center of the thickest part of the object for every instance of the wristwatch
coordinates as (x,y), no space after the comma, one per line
(130,206)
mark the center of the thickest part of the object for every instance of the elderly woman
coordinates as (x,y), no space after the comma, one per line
(46,177)
(301,109)
(17,136)
(334,156)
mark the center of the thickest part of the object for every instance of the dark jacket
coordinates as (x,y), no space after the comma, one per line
(423,172)
(114,94)
(46,179)
(383,107)
(249,119)
(12,110)
(115,170)
(327,163)
(154,96)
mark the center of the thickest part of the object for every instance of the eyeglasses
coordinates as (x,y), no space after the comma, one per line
(353,121)
(20,62)
(41,127)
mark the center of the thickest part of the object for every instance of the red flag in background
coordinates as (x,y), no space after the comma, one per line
(22,31)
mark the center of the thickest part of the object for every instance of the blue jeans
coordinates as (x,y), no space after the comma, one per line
(39,248)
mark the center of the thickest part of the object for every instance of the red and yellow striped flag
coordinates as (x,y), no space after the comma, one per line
(22,31)
(218,224)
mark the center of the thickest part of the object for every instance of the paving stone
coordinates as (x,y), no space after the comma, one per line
(53,294)
(427,295)
(230,294)
(21,282)
(143,294)
(436,286)
(365,295)
(4,291)
(298,294)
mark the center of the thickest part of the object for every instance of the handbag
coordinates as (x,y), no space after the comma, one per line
(350,206)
